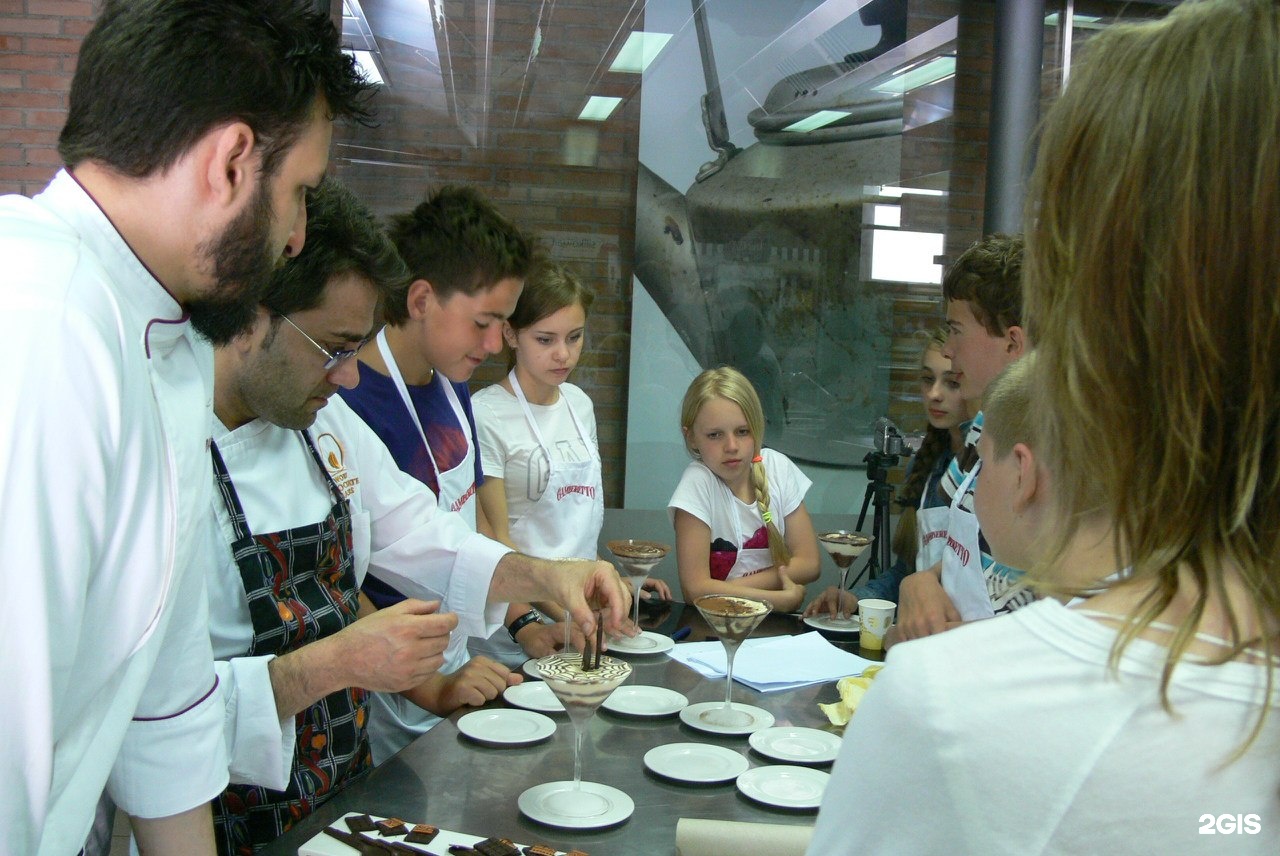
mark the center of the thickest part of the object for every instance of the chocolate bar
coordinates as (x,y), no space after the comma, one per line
(360,823)
(422,833)
(391,826)
(496,847)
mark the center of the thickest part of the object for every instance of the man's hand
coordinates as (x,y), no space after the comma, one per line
(923,606)
(658,587)
(477,682)
(539,640)
(578,585)
(831,601)
(395,648)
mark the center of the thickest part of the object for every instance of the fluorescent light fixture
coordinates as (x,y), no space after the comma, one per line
(1052,20)
(641,48)
(905,256)
(905,80)
(599,107)
(368,68)
(817,120)
(899,192)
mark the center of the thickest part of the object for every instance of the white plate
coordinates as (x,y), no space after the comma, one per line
(695,762)
(506,727)
(530,668)
(796,745)
(760,718)
(640,700)
(834,625)
(547,804)
(533,695)
(784,786)
(647,642)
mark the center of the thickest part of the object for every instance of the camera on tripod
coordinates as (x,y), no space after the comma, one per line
(888,439)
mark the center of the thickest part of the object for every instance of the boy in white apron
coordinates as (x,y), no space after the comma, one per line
(983,292)
(468,264)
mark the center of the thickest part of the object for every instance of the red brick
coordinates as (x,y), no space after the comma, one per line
(36,26)
(62,8)
(26,62)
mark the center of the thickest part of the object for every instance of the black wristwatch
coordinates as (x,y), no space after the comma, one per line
(528,618)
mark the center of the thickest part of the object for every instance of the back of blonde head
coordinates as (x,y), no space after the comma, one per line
(731,385)
(1153,250)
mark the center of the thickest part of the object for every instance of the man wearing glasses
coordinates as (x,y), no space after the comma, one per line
(308,500)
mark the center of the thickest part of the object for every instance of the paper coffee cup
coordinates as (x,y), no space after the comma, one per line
(875,616)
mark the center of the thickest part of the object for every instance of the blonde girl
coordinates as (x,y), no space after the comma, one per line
(739,516)
(1142,717)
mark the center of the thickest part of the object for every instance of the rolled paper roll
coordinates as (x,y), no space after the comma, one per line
(699,837)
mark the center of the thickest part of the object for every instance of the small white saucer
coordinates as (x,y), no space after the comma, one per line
(533,695)
(640,700)
(530,668)
(796,745)
(557,804)
(692,717)
(834,625)
(506,727)
(647,642)
(699,763)
(784,786)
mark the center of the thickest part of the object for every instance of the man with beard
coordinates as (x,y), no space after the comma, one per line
(309,499)
(193,132)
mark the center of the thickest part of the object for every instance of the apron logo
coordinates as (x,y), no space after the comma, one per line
(959,549)
(334,457)
(933,535)
(588,491)
(464,499)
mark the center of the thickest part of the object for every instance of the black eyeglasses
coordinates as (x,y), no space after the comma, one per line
(333,359)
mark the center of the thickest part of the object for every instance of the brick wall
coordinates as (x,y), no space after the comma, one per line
(38,44)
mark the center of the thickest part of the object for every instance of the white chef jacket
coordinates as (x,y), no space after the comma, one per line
(104,422)
(399,535)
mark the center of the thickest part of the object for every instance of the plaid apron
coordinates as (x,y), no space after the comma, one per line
(301,587)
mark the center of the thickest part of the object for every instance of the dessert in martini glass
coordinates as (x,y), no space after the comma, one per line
(844,547)
(733,618)
(581,691)
(637,559)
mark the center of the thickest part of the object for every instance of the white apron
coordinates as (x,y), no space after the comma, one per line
(566,520)
(564,523)
(962,559)
(931,532)
(394,720)
(456,487)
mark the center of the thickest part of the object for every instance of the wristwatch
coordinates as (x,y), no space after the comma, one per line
(528,618)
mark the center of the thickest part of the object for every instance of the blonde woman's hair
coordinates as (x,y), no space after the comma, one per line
(731,385)
(1008,411)
(1153,252)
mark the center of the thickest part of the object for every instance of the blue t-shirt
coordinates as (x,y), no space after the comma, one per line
(378,403)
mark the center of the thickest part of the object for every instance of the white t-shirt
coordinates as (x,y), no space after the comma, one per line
(509,451)
(104,417)
(398,534)
(739,543)
(1011,736)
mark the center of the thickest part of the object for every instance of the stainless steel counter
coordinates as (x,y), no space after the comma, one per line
(446,779)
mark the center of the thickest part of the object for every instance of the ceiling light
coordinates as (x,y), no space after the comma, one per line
(817,120)
(599,107)
(640,49)
(367,67)
(905,80)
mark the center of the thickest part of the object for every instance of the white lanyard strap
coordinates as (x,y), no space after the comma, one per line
(533,423)
(398,379)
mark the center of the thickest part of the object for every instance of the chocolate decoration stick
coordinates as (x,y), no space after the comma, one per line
(599,636)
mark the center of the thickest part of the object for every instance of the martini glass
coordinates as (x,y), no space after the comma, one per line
(733,618)
(581,691)
(844,548)
(637,559)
